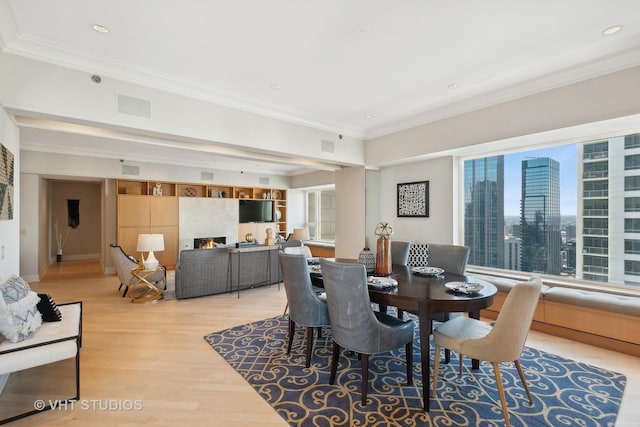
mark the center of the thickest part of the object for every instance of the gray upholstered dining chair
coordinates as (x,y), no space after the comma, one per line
(300,250)
(400,252)
(125,263)
(501,342)
(306,307)
(451,258)
(354,324)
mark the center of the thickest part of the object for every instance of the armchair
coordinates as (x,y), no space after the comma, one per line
(124,264)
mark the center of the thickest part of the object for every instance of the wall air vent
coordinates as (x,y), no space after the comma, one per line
(206,176)
(134,106)
(264,180)
(327,146)
(130,170)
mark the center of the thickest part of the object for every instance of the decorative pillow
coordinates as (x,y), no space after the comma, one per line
(14,289)
(418,254)
(20,319)
(48,308)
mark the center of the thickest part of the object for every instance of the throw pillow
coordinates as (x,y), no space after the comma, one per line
(48,308)
(418,254)
(14,289)
(20,319)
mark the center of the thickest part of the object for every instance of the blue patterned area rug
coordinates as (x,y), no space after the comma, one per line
(565,392)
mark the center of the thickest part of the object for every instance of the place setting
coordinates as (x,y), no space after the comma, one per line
(466,288)
(428,271)
(381,283)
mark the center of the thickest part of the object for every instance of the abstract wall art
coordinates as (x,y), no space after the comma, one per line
(6,183)
(413,199)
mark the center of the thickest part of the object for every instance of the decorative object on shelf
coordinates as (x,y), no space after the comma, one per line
(248,237)
(368,259)
(150,243)
(301,234)
(157,189)
(269,241)
(413,199)
(61,239)
(383,250)
(223,194)
(278,214)
(189,192)
(276,194)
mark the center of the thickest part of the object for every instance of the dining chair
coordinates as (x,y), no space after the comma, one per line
(125,263)
(400,252)
(354,324)
(306,307)
(502,341)
(299,250)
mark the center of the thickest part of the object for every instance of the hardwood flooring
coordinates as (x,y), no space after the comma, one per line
(155,354)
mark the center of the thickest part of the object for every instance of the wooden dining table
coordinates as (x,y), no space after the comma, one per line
(426,294)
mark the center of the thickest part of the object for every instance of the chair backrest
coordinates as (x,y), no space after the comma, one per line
(305,307)
(123,264)
(353,323)
(451,258)
(507,338)
(400,252)
(298,250)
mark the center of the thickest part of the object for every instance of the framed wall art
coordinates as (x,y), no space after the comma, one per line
(6,183)
(413,199)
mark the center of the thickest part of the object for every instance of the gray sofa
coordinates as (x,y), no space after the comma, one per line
(201,272)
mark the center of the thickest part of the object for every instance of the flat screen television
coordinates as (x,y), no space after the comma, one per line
(256,211)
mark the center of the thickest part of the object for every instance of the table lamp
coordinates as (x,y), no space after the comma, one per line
(301,234)
(150,243)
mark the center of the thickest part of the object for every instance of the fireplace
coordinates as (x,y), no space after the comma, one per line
(208,242)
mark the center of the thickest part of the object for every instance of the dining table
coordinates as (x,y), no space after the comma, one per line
(424,293)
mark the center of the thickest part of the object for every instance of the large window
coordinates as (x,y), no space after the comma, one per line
(321,213)
(562,208)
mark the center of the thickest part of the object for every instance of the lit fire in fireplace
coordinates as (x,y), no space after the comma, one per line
(208,242)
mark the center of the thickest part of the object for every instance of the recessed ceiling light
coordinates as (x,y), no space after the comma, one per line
(276,86)
(453,86)
(368,116)
(100,28)
(611,30)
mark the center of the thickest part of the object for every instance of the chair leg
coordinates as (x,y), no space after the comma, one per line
(408,348)
(365,378)
(436,368)
(503,401)
(447,355)
(286,307)
(309,346)
(292,330)
(126,289)
(400,314)
(334,362)
(120,287)
(460,357)
(524,381)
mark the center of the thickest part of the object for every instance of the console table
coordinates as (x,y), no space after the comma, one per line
(246,249)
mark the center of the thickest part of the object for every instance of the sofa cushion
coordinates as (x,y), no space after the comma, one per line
(14,289)
(623,304)
(20,319)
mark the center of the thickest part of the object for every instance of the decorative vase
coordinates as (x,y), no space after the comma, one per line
(59,256)
(367,259)
(383,257)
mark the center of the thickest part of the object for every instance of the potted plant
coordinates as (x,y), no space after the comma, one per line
(61,239)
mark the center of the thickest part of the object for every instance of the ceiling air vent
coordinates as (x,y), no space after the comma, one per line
(206,176)
(130,170)
(134,106)
(327,146)
(264,180)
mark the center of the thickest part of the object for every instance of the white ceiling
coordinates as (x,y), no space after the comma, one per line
(362,68)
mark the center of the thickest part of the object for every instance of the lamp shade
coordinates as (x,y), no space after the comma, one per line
(300,234)
(150,243)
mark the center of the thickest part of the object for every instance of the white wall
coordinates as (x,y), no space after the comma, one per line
(10,229)
(441,225)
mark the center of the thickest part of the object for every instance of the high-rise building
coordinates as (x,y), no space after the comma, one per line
(609,210)
(484,211)
(540,216)
(512,253)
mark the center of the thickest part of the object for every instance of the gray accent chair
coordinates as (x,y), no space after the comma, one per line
(400,252)
(306,308)
(501,342)
(451,258)
(354,324)
(125,263)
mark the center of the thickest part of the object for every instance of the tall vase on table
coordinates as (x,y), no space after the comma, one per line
(383,249)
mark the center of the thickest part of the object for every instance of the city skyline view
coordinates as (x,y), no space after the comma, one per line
(566,155)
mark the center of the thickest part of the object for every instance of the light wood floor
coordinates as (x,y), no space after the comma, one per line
(155,353)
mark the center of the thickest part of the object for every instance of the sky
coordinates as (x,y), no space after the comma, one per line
(565,154)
